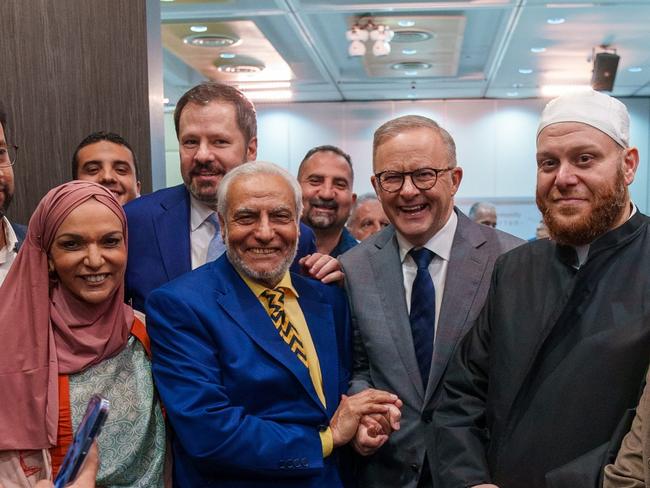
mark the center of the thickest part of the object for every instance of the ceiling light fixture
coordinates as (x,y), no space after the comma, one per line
(268,95)
(537,50)
(635,69)
(365,29)
(556,20)
(512,94)
(411,66)
(557,90)
(211,40)
(525,71)
(409,52)
(227,55)
(199,28)
(406,23)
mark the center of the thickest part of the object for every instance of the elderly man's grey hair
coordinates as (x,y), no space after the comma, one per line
(256,168)
(478,206)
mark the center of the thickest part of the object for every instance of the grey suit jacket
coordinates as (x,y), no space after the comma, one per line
(384,356)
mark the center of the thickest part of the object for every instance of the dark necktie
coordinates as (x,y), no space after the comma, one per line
(287,331)
(423,311)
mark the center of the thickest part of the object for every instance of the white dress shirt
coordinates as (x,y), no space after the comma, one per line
(201,231)
(7,253)
(440,244)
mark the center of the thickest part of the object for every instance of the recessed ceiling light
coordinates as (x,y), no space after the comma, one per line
(199,28)
(525,71)
(411,73)
(410,66)
(537,50)
(411,36)
(227,55)
(410,95)
(409,52)
(210,40)
(240,68)
(556,20)
(165,100)
(635,69)
(406,23)
(166,0)
(512,94)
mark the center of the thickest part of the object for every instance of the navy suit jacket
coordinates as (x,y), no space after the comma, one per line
(21,232)
(242,407)
(159,242)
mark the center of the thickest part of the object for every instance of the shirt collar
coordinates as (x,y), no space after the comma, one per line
(199,212)
(258,288)
(10,238)
(440,243)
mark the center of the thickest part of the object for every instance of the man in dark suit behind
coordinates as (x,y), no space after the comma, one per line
(408,318)
(251,360)
(11,234)
(175,230)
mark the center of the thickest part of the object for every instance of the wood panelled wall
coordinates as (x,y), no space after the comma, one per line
(69,68)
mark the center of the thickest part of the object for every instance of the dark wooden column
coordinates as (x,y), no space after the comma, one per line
(69,68)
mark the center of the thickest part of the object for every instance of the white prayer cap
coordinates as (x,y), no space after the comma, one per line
(593,108)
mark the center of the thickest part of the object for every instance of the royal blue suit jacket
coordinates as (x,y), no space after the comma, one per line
(159,242)
(242,407)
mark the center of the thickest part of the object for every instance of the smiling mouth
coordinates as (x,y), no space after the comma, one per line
(262,250)
(412,209)
(95,279)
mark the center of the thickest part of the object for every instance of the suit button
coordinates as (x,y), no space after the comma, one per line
(289,463)
(414,467)
(304,462)
(427,416)
(281,464)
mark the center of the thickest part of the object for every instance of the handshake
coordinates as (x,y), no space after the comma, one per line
(367,419)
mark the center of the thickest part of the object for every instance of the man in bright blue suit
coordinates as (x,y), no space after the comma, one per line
(175,230)
(251,360)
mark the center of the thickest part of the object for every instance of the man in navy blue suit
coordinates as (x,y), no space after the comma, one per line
(11,234)
(250,360)
(175,230)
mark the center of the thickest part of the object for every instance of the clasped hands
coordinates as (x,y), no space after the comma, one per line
(367,419)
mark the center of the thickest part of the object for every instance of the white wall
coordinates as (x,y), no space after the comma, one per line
(495,141)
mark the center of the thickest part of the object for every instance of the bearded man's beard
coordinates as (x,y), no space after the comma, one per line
(608,205)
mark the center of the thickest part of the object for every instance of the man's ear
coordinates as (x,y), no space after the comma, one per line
(630,164)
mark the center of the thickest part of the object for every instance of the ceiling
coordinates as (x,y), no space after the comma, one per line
(297,49)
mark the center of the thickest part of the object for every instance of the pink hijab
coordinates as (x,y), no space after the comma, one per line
(45,330)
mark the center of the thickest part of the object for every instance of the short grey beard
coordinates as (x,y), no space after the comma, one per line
(269,278)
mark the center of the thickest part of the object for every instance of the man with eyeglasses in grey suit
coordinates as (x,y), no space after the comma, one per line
(11,235)
(414,289)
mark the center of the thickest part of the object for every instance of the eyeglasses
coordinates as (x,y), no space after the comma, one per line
(423,178)
(8,154)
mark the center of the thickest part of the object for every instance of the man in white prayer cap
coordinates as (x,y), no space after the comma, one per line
(540,392)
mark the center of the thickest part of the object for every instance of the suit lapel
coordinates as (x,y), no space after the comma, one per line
(387,269)
(320,320)
(245,309)
(464,273)
(172,228)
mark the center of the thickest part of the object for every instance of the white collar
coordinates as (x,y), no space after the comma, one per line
(199,212)
(10,238)
(440,243)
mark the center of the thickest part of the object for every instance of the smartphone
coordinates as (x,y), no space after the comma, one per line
(89,429)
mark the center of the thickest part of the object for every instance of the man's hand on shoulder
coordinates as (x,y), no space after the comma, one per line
(322,267)
(345,421)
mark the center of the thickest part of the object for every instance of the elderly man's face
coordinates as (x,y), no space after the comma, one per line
(326,182)
(111,165)
(367,219)
(486,216)
(211,144)
(6,179)
(261,228)
(582,180)
(417,214)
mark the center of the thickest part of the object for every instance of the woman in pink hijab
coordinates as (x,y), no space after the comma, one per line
(67,334)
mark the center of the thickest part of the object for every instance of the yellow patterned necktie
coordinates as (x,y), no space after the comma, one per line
(286,329)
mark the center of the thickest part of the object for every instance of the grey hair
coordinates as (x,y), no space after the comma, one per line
(478,206)
(396,126)
(366,197)
(253,168)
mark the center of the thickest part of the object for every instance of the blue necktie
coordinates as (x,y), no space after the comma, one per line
(423,311)
(216,247)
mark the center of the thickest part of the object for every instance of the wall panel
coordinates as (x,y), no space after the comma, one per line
(68,68)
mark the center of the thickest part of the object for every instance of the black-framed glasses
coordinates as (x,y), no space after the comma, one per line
(8,154)
(422,178)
